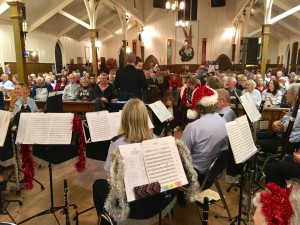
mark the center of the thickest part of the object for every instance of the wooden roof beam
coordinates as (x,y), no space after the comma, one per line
(48,15)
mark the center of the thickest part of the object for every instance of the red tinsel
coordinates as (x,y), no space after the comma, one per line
(27,166)
(276,206)
(80,165)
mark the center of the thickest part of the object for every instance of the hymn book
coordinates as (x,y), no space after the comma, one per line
(155,160)
(5,117)
(240,138)
(160,111)
(45,128)
(104,126)
(250,107)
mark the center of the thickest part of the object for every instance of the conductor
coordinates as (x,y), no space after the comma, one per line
(129,80)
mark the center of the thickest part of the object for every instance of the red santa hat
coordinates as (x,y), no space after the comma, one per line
(204,96)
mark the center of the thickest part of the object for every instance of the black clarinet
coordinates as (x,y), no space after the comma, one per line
(205,211)
(66,197)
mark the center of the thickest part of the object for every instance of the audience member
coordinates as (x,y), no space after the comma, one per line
(6,82)
(214,82)
(15,79)
(272,96)
(86,91)
(174,85)
(72,90)
(260,85)
(60,86)
(233,92)
(103,93)
(255,94)
(41,89)
(173,109)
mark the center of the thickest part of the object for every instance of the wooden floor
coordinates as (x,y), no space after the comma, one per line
(80,193)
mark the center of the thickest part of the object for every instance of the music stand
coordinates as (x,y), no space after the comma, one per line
(49,153)
(54,103)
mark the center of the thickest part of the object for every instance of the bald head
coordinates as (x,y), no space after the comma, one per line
(4,77)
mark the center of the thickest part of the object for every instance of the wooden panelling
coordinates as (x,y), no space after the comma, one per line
(32,67)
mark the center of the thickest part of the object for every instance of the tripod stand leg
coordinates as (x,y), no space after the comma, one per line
(42,186)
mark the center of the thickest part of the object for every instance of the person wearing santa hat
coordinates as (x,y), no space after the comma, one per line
(206,137)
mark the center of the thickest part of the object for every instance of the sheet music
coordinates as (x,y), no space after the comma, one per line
(241,140)
(135,174)
(250,107)
(99,125)
(160,111)
(40,128)
(115,121)
(5,117)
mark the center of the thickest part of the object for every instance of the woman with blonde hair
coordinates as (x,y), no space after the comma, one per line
(134,128)
(255,94)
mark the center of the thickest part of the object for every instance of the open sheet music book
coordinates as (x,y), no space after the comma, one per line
(45,128)
(104,126)
(160,111)
(250,107)
(155,160)
(5,117)
(240,138)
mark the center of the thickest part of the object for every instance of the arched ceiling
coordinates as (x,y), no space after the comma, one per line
(55,16)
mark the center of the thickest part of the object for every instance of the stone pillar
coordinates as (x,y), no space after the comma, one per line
(17,19)
(265,48)
(93,33)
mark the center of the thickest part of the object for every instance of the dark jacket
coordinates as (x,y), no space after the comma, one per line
(130,81)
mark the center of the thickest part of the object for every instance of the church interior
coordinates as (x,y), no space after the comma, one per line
(189,60)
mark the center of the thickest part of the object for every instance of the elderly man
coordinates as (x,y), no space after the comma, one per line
(6,82)
(72,90)
(233,92)
(129,80)
(206,137)
(269,143)
(41,89)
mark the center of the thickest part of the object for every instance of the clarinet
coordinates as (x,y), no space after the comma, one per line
(282,149)
(205,211)
(66,198)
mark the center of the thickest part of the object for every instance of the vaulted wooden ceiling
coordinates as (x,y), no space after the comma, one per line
(57,17)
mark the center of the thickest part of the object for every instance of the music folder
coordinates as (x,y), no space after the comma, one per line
(5,118)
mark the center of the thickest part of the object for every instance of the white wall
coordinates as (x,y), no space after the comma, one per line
(283,46)
(44,43)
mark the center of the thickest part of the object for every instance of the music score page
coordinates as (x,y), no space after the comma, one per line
(155,160)
(5,117)
(241,139)
(45,128)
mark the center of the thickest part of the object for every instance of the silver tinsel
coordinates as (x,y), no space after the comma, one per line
(116,203)
(191,174)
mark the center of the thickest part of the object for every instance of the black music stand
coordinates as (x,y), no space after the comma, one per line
(49,153)
(54,103)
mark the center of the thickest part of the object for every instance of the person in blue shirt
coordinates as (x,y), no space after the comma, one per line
(206,137)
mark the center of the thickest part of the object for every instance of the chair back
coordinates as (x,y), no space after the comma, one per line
(215,170)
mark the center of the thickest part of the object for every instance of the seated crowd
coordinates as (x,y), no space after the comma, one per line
(202,106)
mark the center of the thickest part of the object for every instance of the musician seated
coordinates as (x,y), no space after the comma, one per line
(279,172)
(206,137)
(134,128)
(270,142)
(20,100)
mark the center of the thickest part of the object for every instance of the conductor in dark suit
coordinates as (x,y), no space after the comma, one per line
(130,81)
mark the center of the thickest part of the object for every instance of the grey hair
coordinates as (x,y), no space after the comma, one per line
(294,88)
(40,79)
(233,79)
(103,75)
(252,83)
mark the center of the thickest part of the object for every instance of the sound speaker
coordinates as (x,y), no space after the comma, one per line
(218,3)
(252,50)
